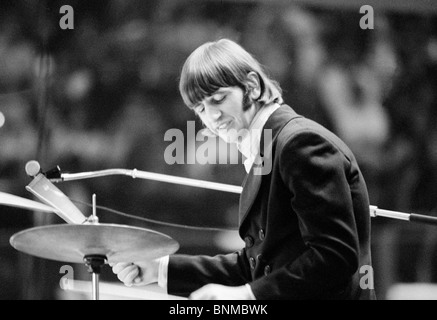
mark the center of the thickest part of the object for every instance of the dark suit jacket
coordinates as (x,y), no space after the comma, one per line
(305,222)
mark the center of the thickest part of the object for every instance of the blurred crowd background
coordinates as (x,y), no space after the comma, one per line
(102,95)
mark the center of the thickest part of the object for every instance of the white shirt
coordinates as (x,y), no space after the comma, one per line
(251,141)
(249,146)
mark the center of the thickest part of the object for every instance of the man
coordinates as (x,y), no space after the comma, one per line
(304,209)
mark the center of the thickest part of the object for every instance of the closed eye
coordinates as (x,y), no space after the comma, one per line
(199,109)
(218,99)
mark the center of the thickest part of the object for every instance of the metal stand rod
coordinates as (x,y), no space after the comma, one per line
(96,277)
(373,210)
(423,219)
(411,217)
(151,176)
(94,264)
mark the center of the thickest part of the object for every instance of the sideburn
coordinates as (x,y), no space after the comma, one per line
(247,101)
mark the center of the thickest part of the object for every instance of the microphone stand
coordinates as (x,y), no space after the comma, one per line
(150,176)
(57,176)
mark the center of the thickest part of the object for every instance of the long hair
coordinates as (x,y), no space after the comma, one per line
(223,63)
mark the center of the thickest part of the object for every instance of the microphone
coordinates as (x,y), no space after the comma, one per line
(33,168)
(47,192)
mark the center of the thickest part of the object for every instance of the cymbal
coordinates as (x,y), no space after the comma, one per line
(72,242)
(15,201)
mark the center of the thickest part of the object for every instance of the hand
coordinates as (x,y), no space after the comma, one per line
(138,273)
(220,292)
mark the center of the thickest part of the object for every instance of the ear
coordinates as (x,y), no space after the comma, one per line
(253,85)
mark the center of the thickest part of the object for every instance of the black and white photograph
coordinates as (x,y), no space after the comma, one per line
(242,151)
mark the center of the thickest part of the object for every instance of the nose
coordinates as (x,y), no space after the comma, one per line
(212,112)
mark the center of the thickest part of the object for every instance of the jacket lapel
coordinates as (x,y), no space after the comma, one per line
(252,182)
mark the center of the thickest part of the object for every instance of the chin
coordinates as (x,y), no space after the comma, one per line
(232,135)
(228,139)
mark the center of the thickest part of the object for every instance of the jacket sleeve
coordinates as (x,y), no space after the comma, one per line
(316,173)
(188,273)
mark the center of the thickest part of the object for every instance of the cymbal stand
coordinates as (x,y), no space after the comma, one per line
(94,262)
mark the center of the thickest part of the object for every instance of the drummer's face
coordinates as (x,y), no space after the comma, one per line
(227,112)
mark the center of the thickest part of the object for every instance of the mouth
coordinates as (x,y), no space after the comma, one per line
(223,125)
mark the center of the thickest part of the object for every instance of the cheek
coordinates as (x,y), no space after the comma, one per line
(233,107)
(207,123)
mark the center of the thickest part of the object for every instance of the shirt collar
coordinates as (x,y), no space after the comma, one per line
(250,142)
